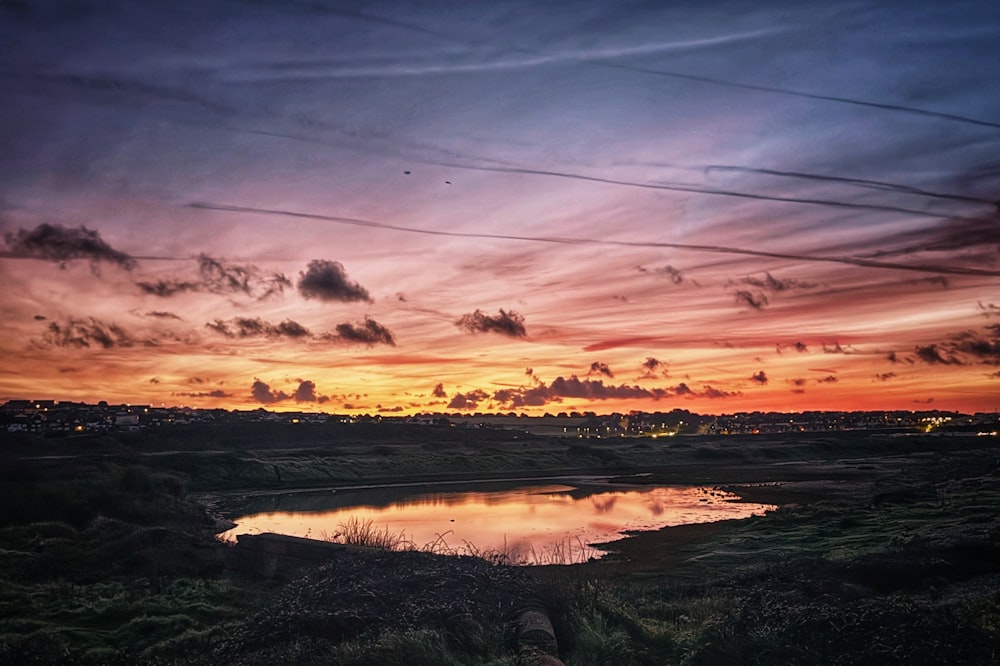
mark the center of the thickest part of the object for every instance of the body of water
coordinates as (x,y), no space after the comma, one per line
(530,523)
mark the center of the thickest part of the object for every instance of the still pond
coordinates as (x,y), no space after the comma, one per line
(528,522)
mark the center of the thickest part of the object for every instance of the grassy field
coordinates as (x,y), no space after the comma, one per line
(886,549)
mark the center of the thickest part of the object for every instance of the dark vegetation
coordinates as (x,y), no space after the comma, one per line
(886,550)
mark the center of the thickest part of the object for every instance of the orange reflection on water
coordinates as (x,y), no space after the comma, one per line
(532,524)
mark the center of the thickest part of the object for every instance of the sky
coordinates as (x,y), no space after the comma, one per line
(397,208)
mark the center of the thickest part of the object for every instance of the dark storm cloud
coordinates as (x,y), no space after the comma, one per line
(719,249)
(768,284)
(534,396)
(757,302)
(221,277)
(798,346)
(683,389)
(86,333)
(651,367)
(672,273)
(774,285)
(216,276)
(598,368)
(598,390)
(246,327)
(216,393)
(934,355)
(759,377)
(469,400)
(262,393)
(574,387)
(368,332)
(168,288)
(54,242)
(327,280)
(306,392)
(989,309)
(439,391)
(506,322)
(964,348)
(986,349)
(709,392)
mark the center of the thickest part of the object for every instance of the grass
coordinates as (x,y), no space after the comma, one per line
(892,556)
(411,648)
(363,532)
(357,532)
(124,618)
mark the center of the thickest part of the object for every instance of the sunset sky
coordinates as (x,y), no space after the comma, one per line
(391,207)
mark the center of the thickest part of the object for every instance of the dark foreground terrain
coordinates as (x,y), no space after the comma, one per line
(886,549)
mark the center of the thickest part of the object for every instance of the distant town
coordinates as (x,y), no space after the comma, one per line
(65,418)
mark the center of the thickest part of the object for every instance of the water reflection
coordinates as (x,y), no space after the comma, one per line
(535,523)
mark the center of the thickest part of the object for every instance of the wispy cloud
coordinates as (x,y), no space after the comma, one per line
(858,182)
(716,249)
(608,58)
(789,92)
